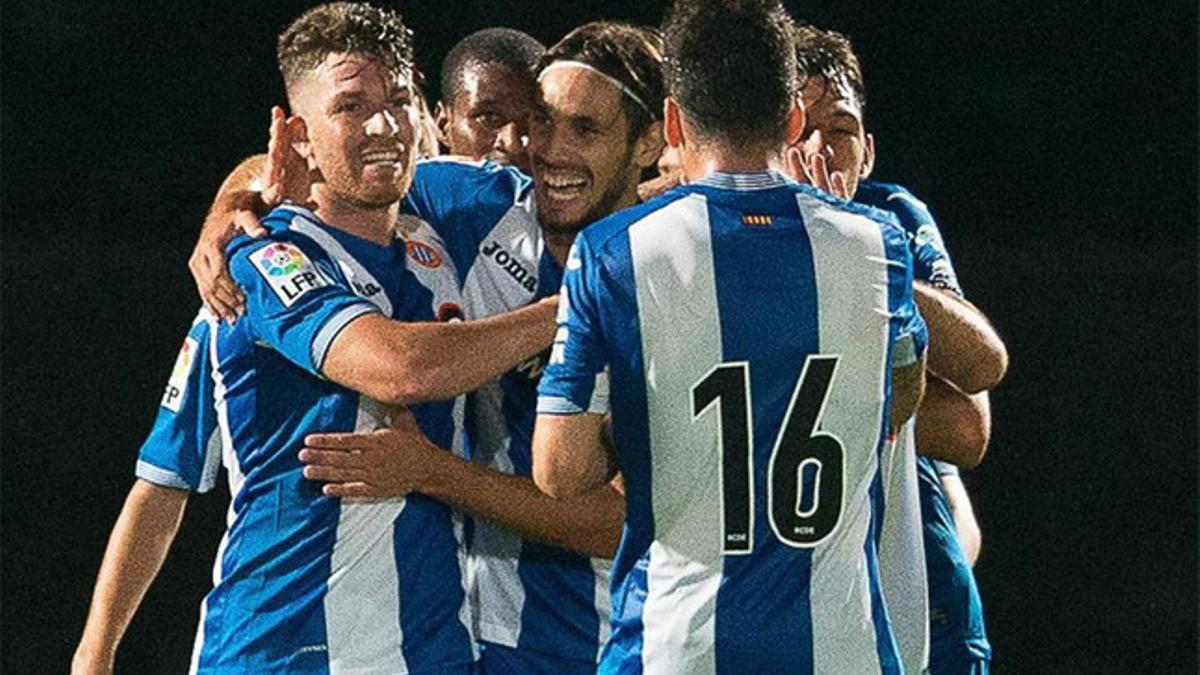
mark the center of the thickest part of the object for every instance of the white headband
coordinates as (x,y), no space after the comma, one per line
(614,81)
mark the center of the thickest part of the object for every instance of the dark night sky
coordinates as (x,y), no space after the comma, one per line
(1055,142)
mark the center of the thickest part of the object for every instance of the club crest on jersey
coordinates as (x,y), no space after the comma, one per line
(287,270)
(177,386)
(509,263)
(423,254)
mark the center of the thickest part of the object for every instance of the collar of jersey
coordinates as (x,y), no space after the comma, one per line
(758,180)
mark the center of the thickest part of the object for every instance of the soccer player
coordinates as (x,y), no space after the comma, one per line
(541,608)
(305,583)
(759,339)
(488,93)
(837,153)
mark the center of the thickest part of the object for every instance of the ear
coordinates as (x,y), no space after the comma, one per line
(649,146)
(868,157)
(441,121)
(796,120)
(672,126)
(297,131)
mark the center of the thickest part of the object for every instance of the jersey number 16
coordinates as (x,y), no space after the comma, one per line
(800,517)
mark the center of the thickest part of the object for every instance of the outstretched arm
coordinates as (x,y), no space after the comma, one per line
(136,550)
(393,462)
(964,348)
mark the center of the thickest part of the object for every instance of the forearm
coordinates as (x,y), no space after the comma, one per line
(965,525)
(964,348)
(589,523)
(569,455)
(953,426)
(248,176)
(406,363)
(136,550)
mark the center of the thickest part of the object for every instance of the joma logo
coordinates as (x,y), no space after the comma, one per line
(511,265)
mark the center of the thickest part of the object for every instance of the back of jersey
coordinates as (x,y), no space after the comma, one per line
(750,407)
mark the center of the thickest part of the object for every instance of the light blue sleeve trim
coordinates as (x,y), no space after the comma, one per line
(945,468)
(332,327)
(153,474)
(557,405)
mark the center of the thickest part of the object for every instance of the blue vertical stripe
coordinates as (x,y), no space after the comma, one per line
(765,273)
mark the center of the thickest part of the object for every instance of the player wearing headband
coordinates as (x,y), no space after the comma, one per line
(755,339)
(837,153)
(538,564)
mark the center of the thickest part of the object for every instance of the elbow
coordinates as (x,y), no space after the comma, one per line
(985,371)
(553,481)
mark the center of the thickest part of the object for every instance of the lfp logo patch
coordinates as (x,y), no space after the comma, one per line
(177,386)
(287,270)
(423,254)
(277,260)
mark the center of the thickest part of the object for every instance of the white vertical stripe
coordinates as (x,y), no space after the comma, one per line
(677,307)
(236,477)
(496,587)
(902,553)
(602,570)
(354,270)
(362,623)
(852,295)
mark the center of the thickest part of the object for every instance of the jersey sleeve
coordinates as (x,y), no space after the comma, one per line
(908,331)
(296,302)
(183,449)
(575,380)
(945,468)
(931,259)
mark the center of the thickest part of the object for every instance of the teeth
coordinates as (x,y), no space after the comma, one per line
(381,157)
(557,182)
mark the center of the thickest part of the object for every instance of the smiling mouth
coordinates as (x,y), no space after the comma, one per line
(560,186)
(381,157)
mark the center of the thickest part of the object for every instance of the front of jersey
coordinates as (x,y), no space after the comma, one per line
(957,633)
(305,583)
(748,327)
(528,596)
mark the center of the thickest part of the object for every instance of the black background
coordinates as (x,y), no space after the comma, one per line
(1055,142)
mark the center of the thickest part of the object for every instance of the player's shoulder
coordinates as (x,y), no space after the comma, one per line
(615,224)
(293,240)
(445,184)
(910,211)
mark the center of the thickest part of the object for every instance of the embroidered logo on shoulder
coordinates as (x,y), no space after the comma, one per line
(423,254)
(177,386)
(287,270)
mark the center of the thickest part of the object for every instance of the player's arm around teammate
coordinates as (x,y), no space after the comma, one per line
(393,462)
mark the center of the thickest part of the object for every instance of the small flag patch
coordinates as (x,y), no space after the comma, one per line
(756,221)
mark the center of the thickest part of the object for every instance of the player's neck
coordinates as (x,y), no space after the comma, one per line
(698,162)
(377,225)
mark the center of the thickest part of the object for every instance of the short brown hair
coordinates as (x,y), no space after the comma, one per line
(344,27)
(631,55)
(829,54)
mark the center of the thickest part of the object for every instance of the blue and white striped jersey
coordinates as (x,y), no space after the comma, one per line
(527,595)
(749,327)
(957,631)
(303,582)
(183,449)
